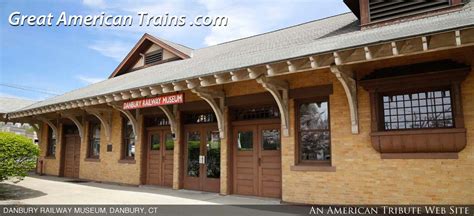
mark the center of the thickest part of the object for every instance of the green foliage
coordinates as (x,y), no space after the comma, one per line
(17,156)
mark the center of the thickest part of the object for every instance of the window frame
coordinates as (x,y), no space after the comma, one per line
(380,104)
(51,145)
(126,141)
(427,143)
(91,138)
(298,161)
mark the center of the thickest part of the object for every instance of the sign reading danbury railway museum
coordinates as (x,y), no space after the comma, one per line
(156,101)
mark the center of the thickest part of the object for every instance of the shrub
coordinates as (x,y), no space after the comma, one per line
(18,156)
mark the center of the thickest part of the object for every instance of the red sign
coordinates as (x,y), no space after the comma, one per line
(152,102)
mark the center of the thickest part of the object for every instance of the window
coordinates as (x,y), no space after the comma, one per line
(200,118)
(153,57)
(128,140)
(314,141)
(269,112)
(51,151)
(417,110)
(94,140)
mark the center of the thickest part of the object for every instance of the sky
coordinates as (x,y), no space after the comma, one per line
(37,62)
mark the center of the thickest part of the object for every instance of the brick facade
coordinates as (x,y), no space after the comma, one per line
(361,176)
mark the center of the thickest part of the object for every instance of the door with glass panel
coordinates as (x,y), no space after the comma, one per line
(202,158)
(257,160)
(160,157)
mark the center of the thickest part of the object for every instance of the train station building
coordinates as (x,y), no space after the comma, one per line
(367,107)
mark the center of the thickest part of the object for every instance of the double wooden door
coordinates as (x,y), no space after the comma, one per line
(257,160)
(202,158)
(160,157)
(72,151)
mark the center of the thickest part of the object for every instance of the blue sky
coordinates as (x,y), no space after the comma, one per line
(57,59)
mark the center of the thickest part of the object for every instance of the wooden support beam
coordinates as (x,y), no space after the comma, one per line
(291,67)
(135,93)
(117,97)
(145,92)
(105,118)
(425,41)
(51,125)
(270,70)
(458,38)
(101,99)
(279,90)
(253,73)
(166,88)
(217,106)
(350,87)
(130,116)
(94,101)
(154,90)
(207,81)
(368,53)
(222,78)
(109,98)
(192,83)
(238,75)
(178,86)
(125,95)
(171,118)
(395,50)
(76,121)
(313,62)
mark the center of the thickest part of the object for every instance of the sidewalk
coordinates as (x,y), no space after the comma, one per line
(55,190)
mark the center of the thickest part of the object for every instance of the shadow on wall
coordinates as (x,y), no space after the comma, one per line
(15,192)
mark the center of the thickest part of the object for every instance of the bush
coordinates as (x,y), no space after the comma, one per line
(18,156)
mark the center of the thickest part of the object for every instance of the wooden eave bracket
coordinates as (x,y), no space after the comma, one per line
(170,114)
(350,87)
(105,118)
(76,121)
(50,124)
(218,106)
(279,91)
(130,116)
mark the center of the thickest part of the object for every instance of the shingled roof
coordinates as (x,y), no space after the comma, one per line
(8,104)
(320,36)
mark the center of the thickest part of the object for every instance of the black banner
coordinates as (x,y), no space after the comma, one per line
(230,210)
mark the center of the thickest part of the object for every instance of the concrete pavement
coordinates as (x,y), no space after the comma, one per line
(55,190)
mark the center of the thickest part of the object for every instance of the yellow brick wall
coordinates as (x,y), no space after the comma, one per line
(109,169)
(361,177)
(50,165)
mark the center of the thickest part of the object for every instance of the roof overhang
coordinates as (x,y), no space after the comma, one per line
(449,39)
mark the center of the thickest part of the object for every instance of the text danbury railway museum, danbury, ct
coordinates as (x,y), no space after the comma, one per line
(47,210)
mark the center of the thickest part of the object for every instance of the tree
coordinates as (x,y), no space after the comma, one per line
(17,156)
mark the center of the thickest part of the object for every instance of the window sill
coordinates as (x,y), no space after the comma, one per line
(432,141)
(419,156)
(127,161)
(317,168)
(50,157)
(92,159)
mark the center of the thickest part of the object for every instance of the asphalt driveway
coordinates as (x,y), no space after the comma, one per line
(55,190)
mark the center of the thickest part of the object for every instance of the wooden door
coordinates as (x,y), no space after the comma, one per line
(160,158)
(71,157)
(269,155)
(245,160)
(202,158)
(257,160)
